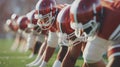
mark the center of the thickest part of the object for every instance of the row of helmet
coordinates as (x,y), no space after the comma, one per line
(45,11)
(28,21)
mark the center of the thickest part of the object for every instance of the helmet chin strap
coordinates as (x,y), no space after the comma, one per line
(77,27)
(77,32)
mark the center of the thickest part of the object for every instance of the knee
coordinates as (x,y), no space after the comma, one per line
(91,58)
(52,44)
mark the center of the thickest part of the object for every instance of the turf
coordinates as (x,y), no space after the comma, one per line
(10,58)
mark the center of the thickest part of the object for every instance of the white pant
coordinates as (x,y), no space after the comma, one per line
(95,48)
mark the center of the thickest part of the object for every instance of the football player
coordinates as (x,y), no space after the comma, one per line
(27,24)
(67,37)
(40,34)
(100,21)
(47,14)
(12,25)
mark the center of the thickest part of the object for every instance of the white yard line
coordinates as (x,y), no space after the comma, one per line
(14,57)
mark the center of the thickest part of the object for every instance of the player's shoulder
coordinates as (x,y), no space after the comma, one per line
(113,5)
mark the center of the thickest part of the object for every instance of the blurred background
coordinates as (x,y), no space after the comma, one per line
(15,57)
(20,7)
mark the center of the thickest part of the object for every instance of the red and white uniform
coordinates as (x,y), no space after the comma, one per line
(109,33)
(88,15)
(47,20)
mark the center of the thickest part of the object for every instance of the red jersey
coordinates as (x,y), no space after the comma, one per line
(111,20)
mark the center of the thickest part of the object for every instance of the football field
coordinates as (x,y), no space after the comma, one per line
(10,58)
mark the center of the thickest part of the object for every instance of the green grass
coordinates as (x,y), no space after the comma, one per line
(9,58)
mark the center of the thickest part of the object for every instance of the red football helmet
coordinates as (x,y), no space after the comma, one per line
(63,21)
(14,16)
(31,17)
(33,22)
(83,16)
(23,23)
(66,33)
(11,25)
(46,13)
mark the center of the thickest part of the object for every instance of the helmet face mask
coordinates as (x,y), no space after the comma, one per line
(45,20)
(46,13)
